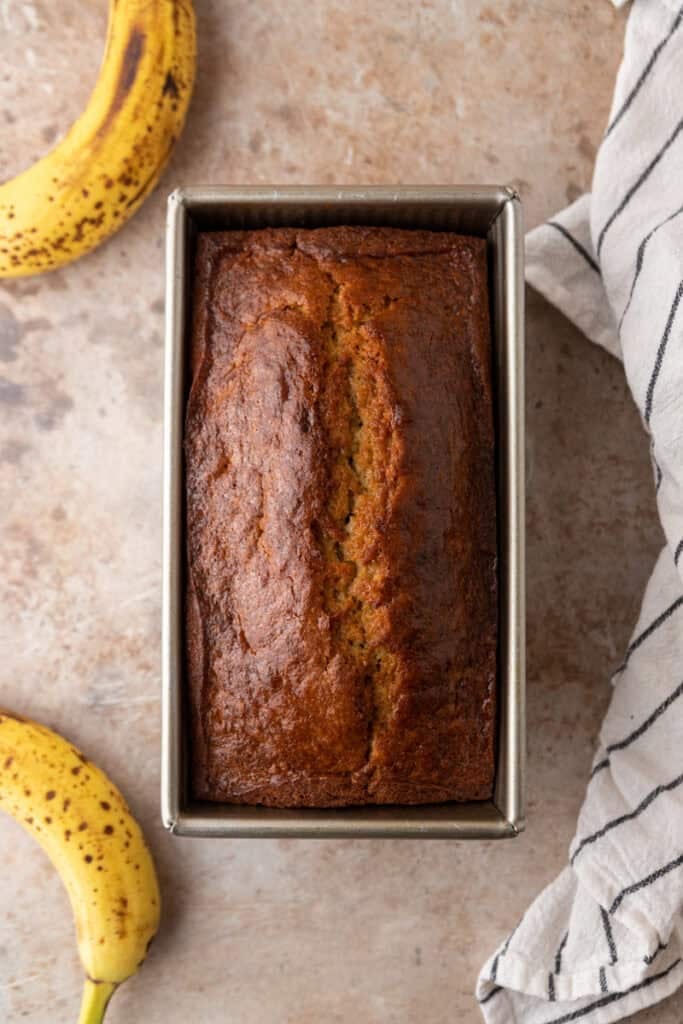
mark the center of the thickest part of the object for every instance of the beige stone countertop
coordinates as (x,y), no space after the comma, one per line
(413,91)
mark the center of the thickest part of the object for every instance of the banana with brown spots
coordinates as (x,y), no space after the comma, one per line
(84,825)
(99,174)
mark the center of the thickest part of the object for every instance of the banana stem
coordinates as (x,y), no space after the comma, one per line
(96,996)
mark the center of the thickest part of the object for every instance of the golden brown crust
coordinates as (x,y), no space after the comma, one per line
(341,618)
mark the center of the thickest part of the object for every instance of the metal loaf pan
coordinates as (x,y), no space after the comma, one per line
(487,211)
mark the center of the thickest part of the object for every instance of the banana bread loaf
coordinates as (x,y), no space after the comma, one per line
(340,500)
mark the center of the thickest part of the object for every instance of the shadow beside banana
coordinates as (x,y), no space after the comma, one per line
(99,174)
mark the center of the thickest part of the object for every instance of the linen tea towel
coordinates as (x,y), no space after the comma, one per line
(606,938)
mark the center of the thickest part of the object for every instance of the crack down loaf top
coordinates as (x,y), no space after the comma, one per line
(341,602)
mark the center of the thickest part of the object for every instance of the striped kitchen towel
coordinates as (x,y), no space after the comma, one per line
(606,938)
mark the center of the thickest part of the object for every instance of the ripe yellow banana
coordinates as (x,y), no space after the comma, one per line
(97,176)
(82,822)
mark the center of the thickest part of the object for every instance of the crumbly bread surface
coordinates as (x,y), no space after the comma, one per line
(341,603)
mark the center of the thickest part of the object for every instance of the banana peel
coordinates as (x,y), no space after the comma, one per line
(88,186)
(84,825)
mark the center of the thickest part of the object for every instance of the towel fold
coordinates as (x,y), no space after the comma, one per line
(606,938)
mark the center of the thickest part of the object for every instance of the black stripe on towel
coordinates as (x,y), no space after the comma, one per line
(494,992)
(603,979)
(642,728)
(640,180)
(613,997)
(598,768)
(642,806)
(494,966)
(678,552)
(653,956)
(660,352)
(640,259)
(577,245)
(645,882)
(644,74)
(510,938)
(558,955)
(551,988)
(648,631)
(608,935)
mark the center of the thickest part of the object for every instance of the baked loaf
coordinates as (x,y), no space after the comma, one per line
(341,603)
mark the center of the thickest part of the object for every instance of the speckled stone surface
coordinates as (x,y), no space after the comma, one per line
(428,92)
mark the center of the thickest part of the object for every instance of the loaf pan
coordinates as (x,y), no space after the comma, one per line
(487,211)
